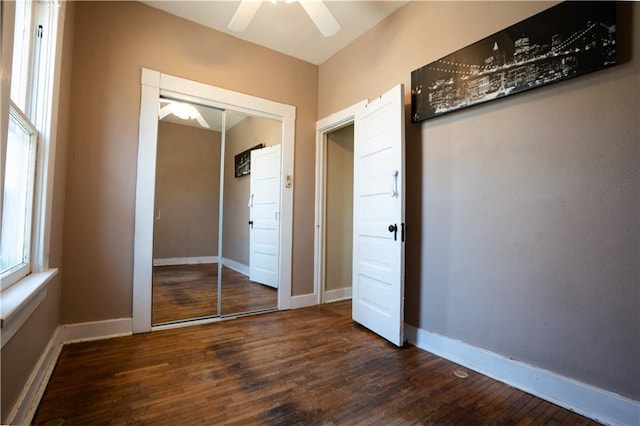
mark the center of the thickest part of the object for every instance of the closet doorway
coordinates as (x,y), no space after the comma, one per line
(338,265)
(333,251)
(213,220)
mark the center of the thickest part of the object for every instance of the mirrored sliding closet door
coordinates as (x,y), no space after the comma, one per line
(216,213)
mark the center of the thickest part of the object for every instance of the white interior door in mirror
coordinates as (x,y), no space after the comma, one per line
(264,215)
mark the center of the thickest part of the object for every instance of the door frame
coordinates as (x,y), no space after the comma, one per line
(152,84)
(325,126)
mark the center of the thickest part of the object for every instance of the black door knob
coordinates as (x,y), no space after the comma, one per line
(394,228)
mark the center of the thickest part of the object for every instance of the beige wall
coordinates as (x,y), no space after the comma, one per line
(187,192)
(21,354)
(113,41)
(339,209)
(522,214)
(244,135)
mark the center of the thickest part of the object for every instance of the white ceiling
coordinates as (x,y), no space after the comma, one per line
(285,27)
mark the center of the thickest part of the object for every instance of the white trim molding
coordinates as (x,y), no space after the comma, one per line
(236,266)
(152,84)
(19,301)
(597,404)
(304,300)
(27,403)
(324,126)
(97,330)
(336,295)
(171,261)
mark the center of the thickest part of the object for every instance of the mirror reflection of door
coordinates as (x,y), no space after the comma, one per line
(264,215)
(193,250)
(187,193)
(245,135)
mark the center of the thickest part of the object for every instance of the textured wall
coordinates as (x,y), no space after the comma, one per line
(523,213)
(187,192)
(113,41)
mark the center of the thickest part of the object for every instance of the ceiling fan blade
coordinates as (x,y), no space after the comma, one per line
(321,16)
(164,111)
(202,121)
(244,14)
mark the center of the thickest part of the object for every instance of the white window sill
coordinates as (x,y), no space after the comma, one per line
(18,302)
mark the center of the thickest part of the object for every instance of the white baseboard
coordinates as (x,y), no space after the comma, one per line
(25,407)
(236,266)
(336,295)
(304,300)
(28,401)
(171,261)
(311,299)
(592,402)
(98,330)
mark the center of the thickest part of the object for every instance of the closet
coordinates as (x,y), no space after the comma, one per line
(216,211)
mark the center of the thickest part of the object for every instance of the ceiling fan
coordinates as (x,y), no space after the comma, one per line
(181,110)
(316,9)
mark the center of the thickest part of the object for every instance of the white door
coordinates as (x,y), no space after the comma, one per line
(378,216)
(264,216)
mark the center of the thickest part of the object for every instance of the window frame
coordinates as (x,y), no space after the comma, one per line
(25,97)
(38,54)
(19,300)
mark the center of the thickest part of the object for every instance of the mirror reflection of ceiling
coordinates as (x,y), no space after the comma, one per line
(211,116)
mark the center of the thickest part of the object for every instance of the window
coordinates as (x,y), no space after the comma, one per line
(28,144)
(22,40)
(19,181)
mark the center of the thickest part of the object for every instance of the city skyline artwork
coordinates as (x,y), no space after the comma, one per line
(562,42)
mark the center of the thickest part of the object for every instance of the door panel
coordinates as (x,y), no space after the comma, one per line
(264,213)
(239,294)
(186,217)
(378,253)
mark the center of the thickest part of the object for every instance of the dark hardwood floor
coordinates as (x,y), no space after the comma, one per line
(190,291)
(311,366)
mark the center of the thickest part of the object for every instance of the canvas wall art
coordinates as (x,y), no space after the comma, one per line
(242,161)
(562,42)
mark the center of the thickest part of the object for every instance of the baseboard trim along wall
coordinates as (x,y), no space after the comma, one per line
(337,295)
(28,401)
(311,299)
(171,261)
(25,407)
(98,330)
(304,300)
(236,266)
(592,402)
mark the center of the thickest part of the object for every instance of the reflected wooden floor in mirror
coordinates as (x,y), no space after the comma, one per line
(184,292)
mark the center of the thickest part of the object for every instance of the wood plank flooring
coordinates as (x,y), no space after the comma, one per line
(190,291)
(311,366)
